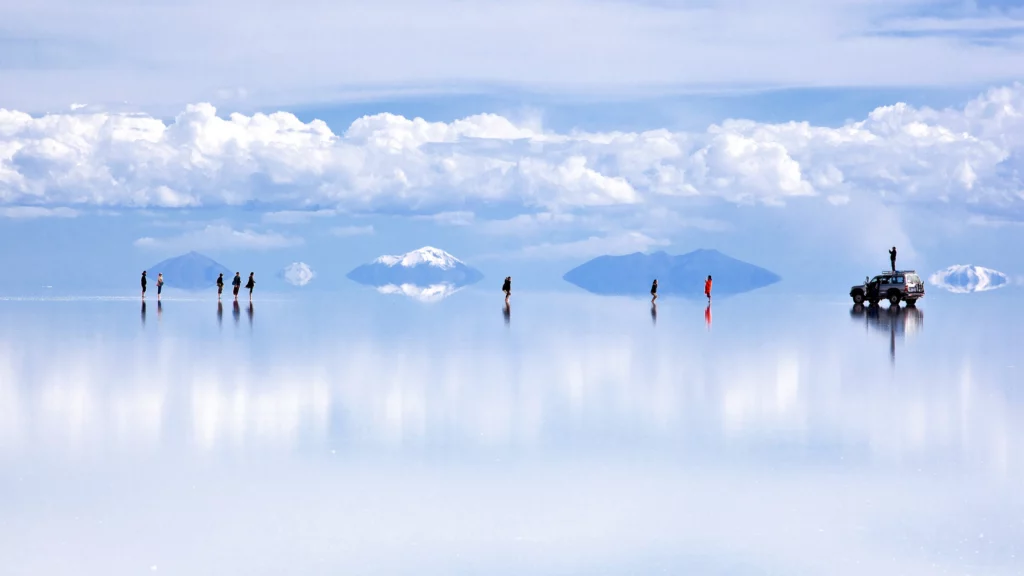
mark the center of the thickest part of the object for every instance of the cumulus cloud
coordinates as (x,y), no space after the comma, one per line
(456,218)
(965,279)
(966,156)
(345,231)
(298,274)
(26,212)
(220,237)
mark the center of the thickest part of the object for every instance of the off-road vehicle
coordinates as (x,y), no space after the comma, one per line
(901,285)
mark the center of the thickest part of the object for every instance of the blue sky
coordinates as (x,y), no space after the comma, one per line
(523,137)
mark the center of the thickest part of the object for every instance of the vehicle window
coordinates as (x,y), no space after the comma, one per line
(913,278)
(899,279)
(876,279)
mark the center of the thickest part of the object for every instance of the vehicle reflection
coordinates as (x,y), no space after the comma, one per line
(892,320)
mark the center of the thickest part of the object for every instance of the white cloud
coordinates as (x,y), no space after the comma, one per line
(898,154)
(965,279)
(26,212)
(457,218)
(613,245)
(220,237)
(344,231)
(298,274)
(615,47)
(297,216)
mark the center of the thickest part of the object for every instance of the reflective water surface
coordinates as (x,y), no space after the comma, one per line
(564,434)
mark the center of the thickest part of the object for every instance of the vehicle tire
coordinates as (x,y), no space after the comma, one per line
(912,302)
(858,298)
(894,299)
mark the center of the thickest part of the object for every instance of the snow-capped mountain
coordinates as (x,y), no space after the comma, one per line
(192,271)
(424,269)
(427,255)
(966,278)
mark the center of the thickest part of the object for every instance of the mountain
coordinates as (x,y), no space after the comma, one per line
(682,275)
(423,268)
(966,278)
(191,271)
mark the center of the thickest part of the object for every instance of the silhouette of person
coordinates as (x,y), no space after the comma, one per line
(143,313)
(507,313)
(250,284)
(143,284)
(236,283)
(159,285)
(249,312)
(707,288)
(654,313)
(236,312)
(220,284)
(220,314)
(892,258)
(707,316)
(507,288)
(654,291)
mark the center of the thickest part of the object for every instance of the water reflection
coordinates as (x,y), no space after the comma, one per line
(654,313)
(380,446)
(236,312)
(507,313)
(220,314)
(893,321)
(143,313)
(707,317)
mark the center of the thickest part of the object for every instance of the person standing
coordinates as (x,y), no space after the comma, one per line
(236,283)
(507,288)
(143,284)
(251,284)
(707,288)
(159,285)
(220,285)
(654,291)
(892,258)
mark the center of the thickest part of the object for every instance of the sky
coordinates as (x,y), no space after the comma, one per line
(302,139)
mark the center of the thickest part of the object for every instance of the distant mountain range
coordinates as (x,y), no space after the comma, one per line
(191,271)
(684,275)
(425,274)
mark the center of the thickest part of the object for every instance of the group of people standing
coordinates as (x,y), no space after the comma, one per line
(236,284)
(654,290)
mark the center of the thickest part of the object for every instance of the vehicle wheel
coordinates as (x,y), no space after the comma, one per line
(858,298)
(894,300)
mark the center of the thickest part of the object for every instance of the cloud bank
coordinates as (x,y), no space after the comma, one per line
(298,274)
(965,279)
(968,157)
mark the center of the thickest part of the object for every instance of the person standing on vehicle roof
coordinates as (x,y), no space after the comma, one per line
(892,258)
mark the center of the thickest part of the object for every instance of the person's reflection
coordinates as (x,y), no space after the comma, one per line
(159,310)
(236,312)
(507,313)
(143,313)
(249,313)
(220,314)
(707,316)
(654,314)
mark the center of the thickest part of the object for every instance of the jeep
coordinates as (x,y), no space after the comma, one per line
(901,285)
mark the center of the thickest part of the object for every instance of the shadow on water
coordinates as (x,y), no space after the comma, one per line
(892,320)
